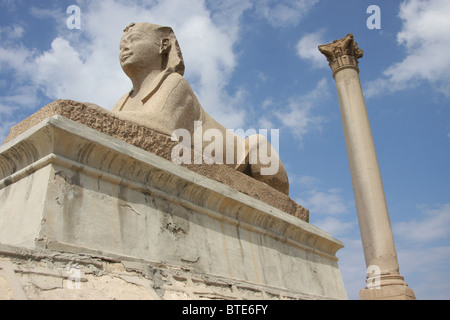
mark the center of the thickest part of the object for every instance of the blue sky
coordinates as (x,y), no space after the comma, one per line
(255,64)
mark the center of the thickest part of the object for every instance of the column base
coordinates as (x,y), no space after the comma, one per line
(397,292)
(387,286)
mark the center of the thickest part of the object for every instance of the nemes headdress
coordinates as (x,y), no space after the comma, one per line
(175,61)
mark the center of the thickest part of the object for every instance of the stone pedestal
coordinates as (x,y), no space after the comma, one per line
(67,188)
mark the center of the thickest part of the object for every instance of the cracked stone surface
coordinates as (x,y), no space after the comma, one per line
(106,122)
(134,221)
(52,275)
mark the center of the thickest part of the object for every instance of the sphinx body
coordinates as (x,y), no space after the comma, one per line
(162,99)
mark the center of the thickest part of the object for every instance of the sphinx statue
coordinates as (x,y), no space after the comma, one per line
(162,100)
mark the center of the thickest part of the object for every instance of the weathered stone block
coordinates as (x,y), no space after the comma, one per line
(66,187)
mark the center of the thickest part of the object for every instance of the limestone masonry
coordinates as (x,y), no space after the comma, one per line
(93,207)
(161,145)
(67,188)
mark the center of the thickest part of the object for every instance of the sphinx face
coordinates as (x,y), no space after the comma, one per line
(139,52)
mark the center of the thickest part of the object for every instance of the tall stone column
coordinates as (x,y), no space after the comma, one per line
(384,280)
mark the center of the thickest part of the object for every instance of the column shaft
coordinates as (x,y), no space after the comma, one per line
(373,216)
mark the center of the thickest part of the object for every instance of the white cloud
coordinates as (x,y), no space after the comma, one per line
(60,71)
(83,64)
(329,202)
(261,76)
(267,103)
(5,126)
(10,5)
(17,94)
(17,59)
(284,13)
(265,123)
(352,265)
(46,13)
(298,116)
(425,265)
(309,182)
(210,61)
(434,225)
(24,97)
(11,32)
(307,49)
(424,34)
(335,227)
(426,271)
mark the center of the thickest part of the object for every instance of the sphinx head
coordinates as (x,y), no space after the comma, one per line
(147,47)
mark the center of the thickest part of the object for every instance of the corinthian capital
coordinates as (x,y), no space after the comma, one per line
(342,53)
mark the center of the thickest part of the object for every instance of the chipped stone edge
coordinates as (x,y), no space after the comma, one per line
(163,277)
(151,159)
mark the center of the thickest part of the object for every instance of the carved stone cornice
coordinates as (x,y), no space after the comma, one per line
(342,53)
